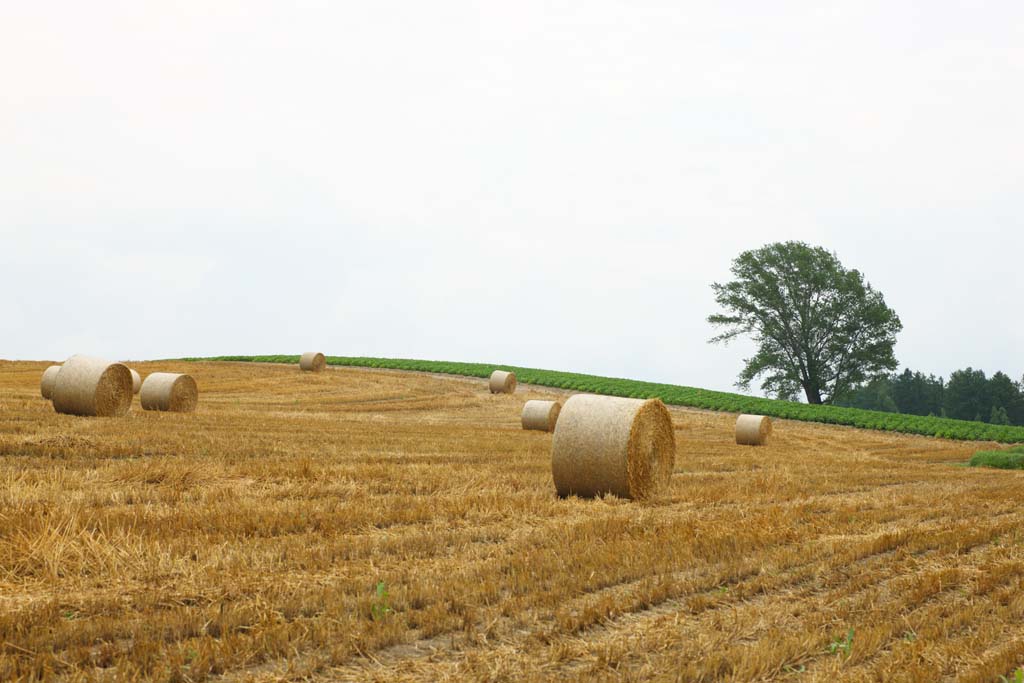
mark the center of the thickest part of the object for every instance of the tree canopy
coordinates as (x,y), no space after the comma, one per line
(818,326)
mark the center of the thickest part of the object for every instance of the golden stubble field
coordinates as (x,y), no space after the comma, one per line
(246,542)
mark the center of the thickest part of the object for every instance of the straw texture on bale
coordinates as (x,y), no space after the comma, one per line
(311,361)
(503,382)
(606,444)
(169,391)
(49,377)
(753,430)
(541,415)
(136,380)
(92,386)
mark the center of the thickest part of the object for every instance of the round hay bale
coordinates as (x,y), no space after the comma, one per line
(92,386)
(49,377)
(541,415)
(311,361)
(753,430)
(502,382)
(607,444)
(169,391)
(136,381)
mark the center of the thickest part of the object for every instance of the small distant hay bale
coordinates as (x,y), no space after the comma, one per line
(541,415)
(136,380)
(169,391)
(49,377)
(502,382)
(753,430)
(92,387)
(311,361)
(607,444)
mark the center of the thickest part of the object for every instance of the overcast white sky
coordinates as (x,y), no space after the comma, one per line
(548,184)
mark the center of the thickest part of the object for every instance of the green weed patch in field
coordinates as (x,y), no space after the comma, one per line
(962,430)
(1009,459)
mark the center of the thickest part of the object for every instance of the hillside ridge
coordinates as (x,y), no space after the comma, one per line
(692,397)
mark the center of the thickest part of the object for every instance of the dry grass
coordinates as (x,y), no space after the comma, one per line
(245,542)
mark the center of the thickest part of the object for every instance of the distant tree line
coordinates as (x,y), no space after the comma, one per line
(967,395)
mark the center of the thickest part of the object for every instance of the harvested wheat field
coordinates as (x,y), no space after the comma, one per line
(388,526)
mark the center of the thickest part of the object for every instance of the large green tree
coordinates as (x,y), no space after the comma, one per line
(818,326)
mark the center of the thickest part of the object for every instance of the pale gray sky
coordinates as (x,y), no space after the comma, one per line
(548,184)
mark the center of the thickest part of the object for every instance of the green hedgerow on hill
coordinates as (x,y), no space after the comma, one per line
(671,394)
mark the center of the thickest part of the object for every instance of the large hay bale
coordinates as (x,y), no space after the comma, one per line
(311,361)
(606,444)
(49,377)
(753,430)
(92,386)
(136,381)
(502,382)
(169,391)
(541,415)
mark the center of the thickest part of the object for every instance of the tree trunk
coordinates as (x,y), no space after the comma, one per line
(813,395)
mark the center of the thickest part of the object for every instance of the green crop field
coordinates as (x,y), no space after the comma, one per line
(945,428)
